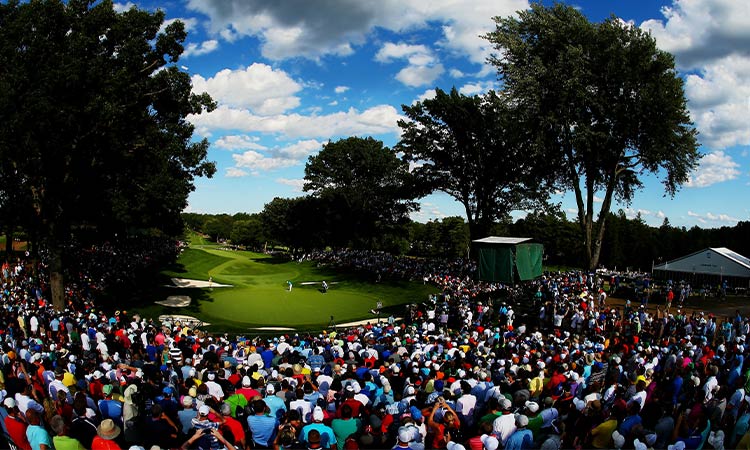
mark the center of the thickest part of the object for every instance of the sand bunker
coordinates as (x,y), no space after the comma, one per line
(185,283)
(182,319)
(175,301)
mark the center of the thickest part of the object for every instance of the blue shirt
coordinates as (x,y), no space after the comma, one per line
(327,437)
(263,429)
(186,417)
(519,440)
(38,436)
(276,405)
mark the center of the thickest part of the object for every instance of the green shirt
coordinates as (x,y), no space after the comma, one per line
(343,429)
(66,443)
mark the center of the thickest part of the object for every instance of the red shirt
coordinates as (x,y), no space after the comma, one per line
(17,432)
(235,427)
(104,444)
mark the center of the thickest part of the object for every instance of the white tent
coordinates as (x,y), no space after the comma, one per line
(720,262)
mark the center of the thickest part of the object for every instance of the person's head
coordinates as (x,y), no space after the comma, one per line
(346,412)
(33,417)
(259,407)
(156,410)
(225,410)
(313,439)
(58,425)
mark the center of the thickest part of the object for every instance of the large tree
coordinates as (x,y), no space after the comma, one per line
(93,121)
(602,100)
(366,188)
(471,148)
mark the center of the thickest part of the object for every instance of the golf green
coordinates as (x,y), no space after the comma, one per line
(259,294)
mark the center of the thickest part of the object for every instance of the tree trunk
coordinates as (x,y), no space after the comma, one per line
(57,283)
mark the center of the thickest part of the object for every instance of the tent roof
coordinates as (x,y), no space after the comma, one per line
(714,260)
(501,240)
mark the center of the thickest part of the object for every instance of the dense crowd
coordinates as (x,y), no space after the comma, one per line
(464,370)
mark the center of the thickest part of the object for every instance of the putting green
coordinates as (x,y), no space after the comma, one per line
(259,295)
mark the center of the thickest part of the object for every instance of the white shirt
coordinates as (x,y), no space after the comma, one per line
(503,427)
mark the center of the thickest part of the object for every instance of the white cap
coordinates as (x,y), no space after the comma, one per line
(9,402)
(270,389)
(404,434)
(246,381)
(318,414)
(203,410)
(489,442)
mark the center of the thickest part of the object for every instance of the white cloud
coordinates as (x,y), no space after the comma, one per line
(711,41)
(660,214)
(301,149)
(333,103)
(714,168)
(416,76)
(277,158)
(713,219)
(719,101)
(429,94)
(203,48)
(233,172)
(598,199)
(241,142)
(295,184)
(122,7)
(336,27)
(480,87)
(341,89)
(260,87)
(379,119)
(257,162)
(390,51)
(455,73)
(423,67)
(698,31)
(428,211)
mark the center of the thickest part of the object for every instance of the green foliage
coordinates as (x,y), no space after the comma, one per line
(472,149)
(248,232)
(93,121)
(364,190)
(601,100)
(446,238)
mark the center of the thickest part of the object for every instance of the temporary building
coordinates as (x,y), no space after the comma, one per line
(506,259)
(710,266)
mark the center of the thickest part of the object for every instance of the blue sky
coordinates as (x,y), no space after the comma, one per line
(291,75)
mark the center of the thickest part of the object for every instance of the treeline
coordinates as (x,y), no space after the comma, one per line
(630,243)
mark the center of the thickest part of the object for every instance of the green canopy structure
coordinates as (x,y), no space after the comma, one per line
(507,259)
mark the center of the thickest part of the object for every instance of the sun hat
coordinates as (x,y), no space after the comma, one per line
(108,430)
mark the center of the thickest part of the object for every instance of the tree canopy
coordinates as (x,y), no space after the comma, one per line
(365,189)
(472,149)
(602,101)
(92,121)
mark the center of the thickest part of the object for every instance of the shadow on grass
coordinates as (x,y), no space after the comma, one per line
(271,260)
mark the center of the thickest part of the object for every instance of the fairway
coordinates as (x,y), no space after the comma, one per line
(259,296)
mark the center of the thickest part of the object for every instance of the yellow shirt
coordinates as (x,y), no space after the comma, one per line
(602,434)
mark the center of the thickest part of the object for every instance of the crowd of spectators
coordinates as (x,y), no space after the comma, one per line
(464,370)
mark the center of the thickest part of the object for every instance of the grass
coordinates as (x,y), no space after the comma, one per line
(259,296)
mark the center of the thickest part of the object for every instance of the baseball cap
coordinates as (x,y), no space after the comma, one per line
(270,389)
(203,410)
(9,402)
(246,381)
(318,414)
(489,442)
(404,434)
